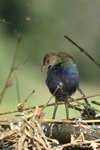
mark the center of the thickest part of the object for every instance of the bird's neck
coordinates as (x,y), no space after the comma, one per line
(70,66)
(55,66)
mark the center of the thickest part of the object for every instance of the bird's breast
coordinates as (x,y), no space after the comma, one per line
(66,78)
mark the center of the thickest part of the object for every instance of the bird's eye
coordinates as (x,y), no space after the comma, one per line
(47,61)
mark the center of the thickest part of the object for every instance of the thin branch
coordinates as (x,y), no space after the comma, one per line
(71,121)
(83,95)
(52,104)
(86,101)
(20,106)
(50,98)
(28,97)
(55,120)
(3,20)
(89,107)
(17,88)
(15,56)
(82,50)
(98,94)
(10,82)
(94,102)
(76,108)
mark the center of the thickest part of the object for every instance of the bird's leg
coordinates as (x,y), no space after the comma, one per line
(66,107)
(55,109)
(54,113)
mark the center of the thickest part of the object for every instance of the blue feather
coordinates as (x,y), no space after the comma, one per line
(66,76)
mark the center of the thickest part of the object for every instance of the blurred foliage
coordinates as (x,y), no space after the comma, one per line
(50,20)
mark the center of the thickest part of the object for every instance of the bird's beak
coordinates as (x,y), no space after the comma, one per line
(44,67)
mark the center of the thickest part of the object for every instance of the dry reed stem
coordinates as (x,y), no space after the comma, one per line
(28,132)
(57,121)
(19,37)
(33,107)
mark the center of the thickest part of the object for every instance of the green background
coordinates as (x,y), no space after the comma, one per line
(50,20)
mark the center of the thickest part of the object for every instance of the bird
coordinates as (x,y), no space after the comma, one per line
(62,71)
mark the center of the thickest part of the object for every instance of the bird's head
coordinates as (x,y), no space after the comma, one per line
(50,60)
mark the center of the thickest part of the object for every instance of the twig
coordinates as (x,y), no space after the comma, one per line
(94,102)
(28,97)
(86,101)
(83,95)
(76,108)
(91,108)
(27,129)
(57,121)
(98,94)
(82,50)
(17,88)
(50,98)
(15,56)
(8,120)
(10,82)
(3,20)
(20,106)
(33,107)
